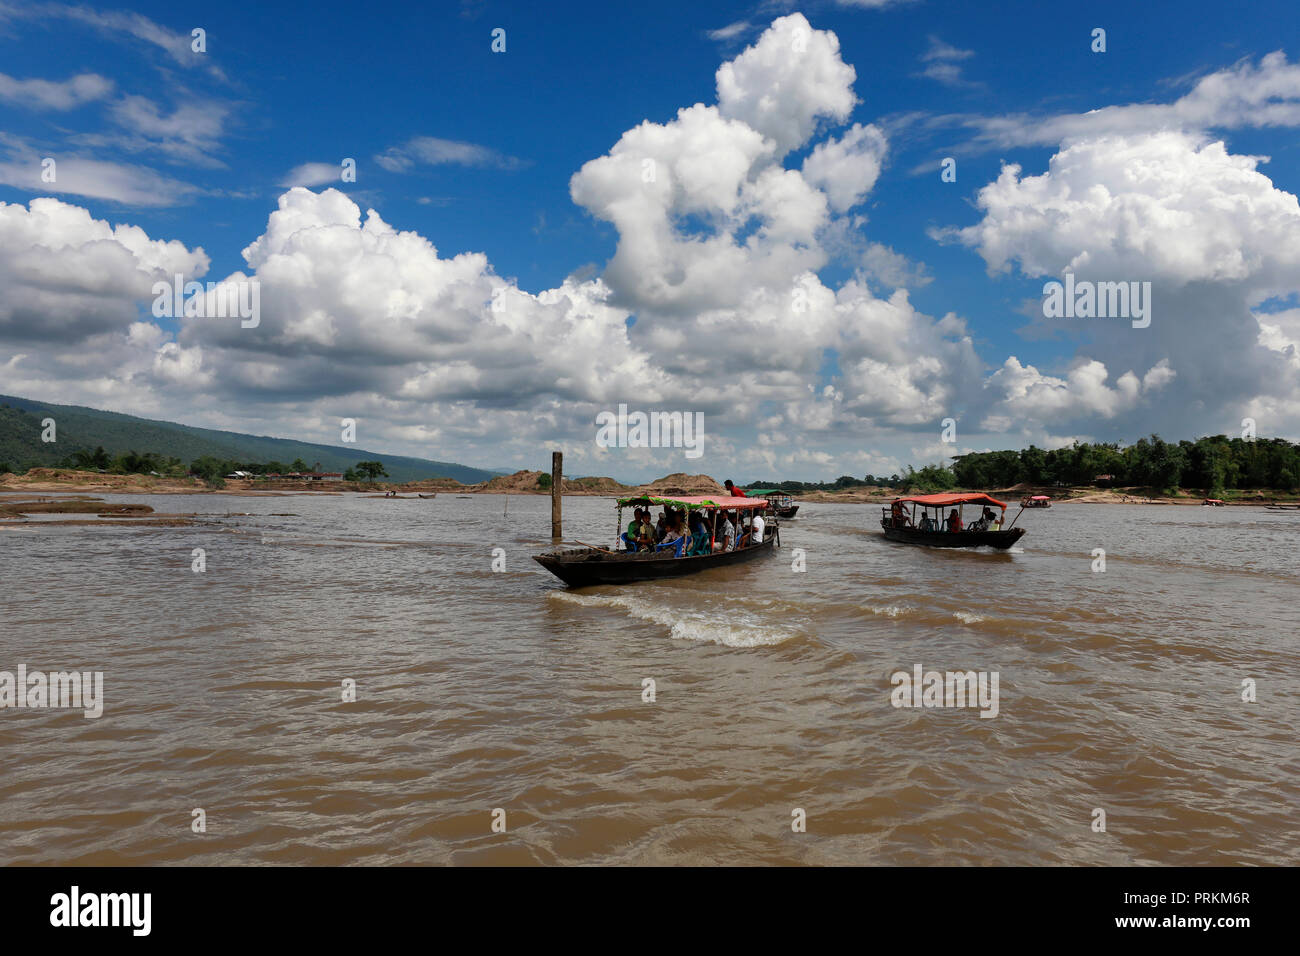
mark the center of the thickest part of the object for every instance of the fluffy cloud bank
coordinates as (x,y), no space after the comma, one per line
(1205,227)
(713,299)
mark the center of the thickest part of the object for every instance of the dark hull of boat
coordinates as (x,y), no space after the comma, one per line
(584,567)
(959,539)
(787,512)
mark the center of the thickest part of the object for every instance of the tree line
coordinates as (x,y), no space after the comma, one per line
(1215,463)
(208,467)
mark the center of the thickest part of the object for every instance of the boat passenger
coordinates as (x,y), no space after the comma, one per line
(995,521)
(699,533)
(954,520)
(726,540)
(742,533)
(757,525)
(633,530)
(927,523)
(645,538)
(733,490)
(674,534)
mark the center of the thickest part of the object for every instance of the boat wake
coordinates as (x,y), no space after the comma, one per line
(687,625)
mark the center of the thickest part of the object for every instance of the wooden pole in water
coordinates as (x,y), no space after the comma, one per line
(557,478)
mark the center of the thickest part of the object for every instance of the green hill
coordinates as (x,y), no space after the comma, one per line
(83,429)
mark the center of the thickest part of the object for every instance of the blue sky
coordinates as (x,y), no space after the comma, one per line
(477,152)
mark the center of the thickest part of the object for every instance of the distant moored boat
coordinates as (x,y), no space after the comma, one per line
(782,505)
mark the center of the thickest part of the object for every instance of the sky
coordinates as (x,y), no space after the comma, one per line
(474,228)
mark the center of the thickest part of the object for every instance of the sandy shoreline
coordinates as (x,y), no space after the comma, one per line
(48,481)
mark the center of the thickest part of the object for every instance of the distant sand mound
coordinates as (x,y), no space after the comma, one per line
(527,482)
(682,484)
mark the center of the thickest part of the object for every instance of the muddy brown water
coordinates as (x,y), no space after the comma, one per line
(476,690)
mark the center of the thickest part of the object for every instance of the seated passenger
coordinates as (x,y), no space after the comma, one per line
(645,538)
(726,534)
(633,530)
(742,531)
(674,535)
(699,532)
(927,523)
(954,521)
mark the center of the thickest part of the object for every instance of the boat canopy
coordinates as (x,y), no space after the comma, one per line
(759,492)
(943,501)
(693,502)
(1039,498)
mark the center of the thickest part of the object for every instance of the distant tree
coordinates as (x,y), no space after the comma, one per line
(930,478)
(370,470)
(544,481)
(350,475)
(208,467)
(298,465)
(91,459)
(5,467)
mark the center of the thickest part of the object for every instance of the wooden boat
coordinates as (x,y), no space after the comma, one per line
(1212,503)
(434,495)
(782,505)
(901,524)
(1036,501)
(582,567)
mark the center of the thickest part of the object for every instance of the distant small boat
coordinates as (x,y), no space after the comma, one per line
(434,495)
(782,505)
(1036,501)
(902,526)
(1212,503)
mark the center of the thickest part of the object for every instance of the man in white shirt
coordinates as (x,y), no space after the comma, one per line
(758,529)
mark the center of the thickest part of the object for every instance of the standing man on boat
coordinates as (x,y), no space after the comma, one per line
(733,490)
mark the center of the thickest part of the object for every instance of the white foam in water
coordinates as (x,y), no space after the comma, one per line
(966,617)
(718,627)
(889,610)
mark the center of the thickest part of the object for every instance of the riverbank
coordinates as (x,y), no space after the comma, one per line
(63,481)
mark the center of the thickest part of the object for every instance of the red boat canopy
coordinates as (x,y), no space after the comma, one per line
(1040,498)
(695,502)
(943,501)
